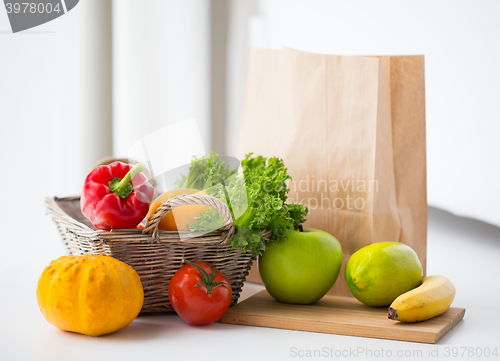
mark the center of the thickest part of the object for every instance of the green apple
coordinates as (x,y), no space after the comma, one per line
(302,268)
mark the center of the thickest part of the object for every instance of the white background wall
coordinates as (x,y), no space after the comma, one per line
(55,114)
(85,86)
(160,68)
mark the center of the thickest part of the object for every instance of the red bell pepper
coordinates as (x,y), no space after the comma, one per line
(116,196)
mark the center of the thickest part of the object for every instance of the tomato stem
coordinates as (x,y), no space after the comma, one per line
(207,280)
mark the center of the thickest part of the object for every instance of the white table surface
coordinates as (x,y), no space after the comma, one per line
(466,251)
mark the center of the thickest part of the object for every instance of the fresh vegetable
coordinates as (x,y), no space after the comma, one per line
(432,298)
(116,196)
(303,267)
(206,221)
(90,294)
(256,198)
(199,293)
(180,217)
(205,172)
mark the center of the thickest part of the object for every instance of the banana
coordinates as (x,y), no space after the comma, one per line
(432,298)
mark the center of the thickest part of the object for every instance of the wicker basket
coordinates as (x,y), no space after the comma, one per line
(155,255)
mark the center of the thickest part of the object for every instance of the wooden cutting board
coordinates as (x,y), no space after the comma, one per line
(340,316)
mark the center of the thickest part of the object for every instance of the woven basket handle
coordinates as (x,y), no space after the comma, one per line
(187,199)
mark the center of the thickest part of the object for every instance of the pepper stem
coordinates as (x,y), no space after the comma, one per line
(122,186)
(207,280)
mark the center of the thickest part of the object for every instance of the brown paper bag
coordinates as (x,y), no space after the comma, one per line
(351,130)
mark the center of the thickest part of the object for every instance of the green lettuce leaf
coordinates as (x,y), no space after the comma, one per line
(256,199)
(207,221)
(204,172)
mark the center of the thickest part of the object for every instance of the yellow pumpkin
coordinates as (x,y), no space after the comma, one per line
(181,217)
(89,294)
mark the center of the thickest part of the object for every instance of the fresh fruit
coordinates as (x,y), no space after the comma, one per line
(378,273)
(89,294)
(180,217)
(199,293)
(303,267)
(430,299)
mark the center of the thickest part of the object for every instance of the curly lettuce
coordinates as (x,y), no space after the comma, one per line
(257,199)
(206,171)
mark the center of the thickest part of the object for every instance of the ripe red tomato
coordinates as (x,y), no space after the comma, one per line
(199,293)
